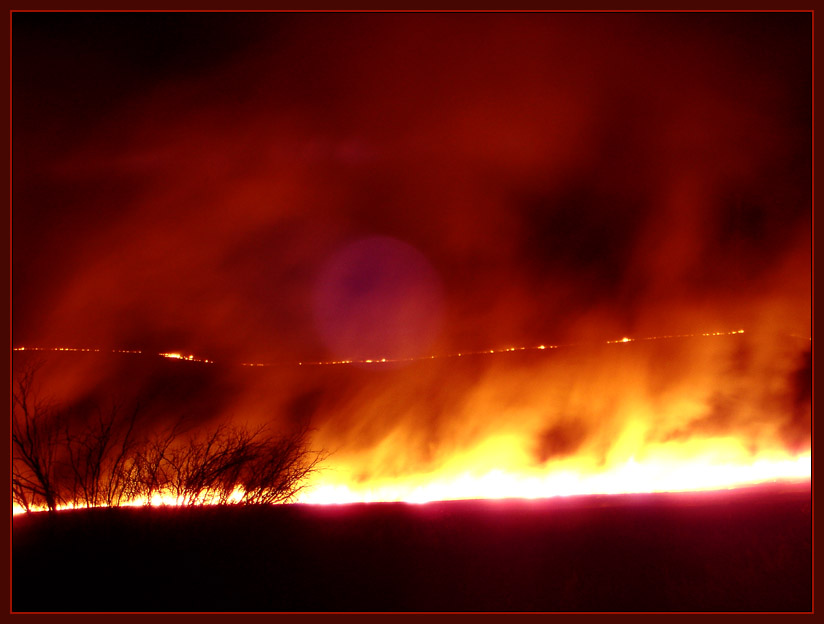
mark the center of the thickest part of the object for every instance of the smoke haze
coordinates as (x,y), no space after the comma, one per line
(197,183)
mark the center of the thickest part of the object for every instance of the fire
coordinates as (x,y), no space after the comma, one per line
(157,500)
(656,473)
(675,439)
(185,358)
(172,356)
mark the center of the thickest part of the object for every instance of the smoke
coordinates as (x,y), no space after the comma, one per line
(182,183)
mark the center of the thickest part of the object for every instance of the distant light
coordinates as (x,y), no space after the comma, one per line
(192,358)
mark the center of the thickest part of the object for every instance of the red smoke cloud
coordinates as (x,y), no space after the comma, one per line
(561,172)
(182,182)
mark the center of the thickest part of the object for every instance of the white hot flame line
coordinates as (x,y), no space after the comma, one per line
(631,478)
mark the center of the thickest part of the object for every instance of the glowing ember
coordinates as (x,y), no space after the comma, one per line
(171,356)
(187,358)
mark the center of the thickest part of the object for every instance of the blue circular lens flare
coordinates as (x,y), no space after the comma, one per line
(378,298)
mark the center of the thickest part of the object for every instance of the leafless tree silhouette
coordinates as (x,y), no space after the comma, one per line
(35,440)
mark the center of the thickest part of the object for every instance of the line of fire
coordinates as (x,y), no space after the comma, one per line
(497,465)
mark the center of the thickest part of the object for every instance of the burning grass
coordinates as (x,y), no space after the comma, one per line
(666,414)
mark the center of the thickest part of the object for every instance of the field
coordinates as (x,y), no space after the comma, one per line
(740,550)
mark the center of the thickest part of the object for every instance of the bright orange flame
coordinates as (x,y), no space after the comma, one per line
(656,473)
(157,500)
(500,465)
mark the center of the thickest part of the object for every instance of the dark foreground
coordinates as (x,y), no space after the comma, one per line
(741,550)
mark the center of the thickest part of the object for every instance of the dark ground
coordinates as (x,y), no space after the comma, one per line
(740,550)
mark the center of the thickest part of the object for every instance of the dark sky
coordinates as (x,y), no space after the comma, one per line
(298,186)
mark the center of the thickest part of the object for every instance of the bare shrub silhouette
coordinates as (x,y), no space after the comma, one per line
(228,465)
(279,469)
(36,426)
(100,459)
(206,467)
(152,470)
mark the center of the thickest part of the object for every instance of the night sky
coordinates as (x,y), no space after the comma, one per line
(269,187)
(182,181)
